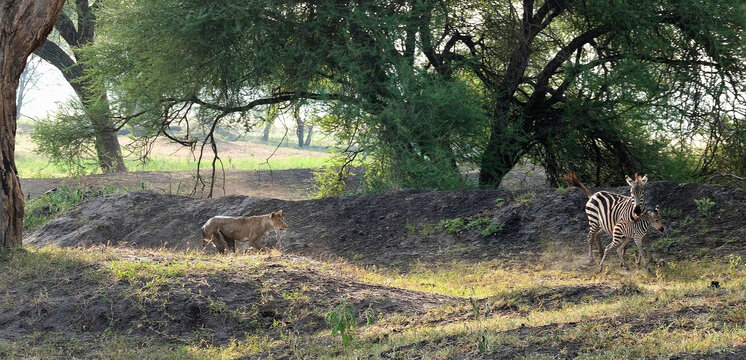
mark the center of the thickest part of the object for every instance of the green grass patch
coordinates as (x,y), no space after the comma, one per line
(181,164)
(35,166)
(44,208)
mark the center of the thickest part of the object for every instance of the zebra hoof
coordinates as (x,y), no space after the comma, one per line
(624,266)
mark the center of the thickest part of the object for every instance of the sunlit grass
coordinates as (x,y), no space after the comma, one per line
(598,328)
(180,164)
(33,165)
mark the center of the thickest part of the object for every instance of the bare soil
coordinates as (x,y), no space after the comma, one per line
(202,304)
(392,230)
(402,227)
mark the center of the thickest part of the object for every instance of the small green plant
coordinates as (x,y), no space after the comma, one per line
(734,263)
(483,224)
(493,228)
(561,190)
(342,321)
(483,343)
(526,198)
(667,242)
(478,223)
(410,230)
(499,202)
(453,225)
(704,205)
(672,213)
(428,229)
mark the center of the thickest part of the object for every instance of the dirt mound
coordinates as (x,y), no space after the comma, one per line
(216,306)
(408,225)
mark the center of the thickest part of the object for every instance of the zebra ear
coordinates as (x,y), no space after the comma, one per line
(629,180)
(644,179)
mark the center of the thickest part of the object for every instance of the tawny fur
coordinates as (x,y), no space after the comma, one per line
(224,231)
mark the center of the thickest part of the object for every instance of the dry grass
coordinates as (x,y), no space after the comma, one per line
(668,312)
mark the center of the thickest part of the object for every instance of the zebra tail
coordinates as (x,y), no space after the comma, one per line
(572,181)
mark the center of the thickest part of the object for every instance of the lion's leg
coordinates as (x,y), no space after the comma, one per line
(220,244)
(255,243)
(231,243)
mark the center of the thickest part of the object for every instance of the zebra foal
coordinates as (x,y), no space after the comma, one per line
(633,230)
(605,209)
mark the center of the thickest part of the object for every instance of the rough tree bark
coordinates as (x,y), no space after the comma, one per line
(107,145)
(309,133)
(301,126)
(24,25)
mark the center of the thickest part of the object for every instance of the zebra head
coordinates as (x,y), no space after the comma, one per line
(656,222)
(637,191)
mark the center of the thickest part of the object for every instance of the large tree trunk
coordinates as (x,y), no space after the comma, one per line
(308,136)
(24,25)
(506,145)
(94,100)
(107,144)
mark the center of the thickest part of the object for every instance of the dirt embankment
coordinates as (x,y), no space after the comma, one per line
(218,306)
(406,226)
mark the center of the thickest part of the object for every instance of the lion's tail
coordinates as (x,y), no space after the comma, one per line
(572,181)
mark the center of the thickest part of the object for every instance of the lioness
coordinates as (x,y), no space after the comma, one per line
(224,231)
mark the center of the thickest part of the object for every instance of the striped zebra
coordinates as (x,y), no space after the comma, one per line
(633,230)
(605,209)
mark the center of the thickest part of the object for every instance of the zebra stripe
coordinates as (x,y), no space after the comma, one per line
(605,209)
(635,230)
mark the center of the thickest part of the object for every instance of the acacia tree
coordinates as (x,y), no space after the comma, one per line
(571,78)
(422,86)
(23,27)
(77,34)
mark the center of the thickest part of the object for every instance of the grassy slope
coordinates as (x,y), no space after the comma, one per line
(513,310)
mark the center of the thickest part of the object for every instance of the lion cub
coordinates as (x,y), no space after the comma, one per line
(224,231)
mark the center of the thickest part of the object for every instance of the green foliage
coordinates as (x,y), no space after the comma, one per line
(734,263)
(561,191)
(453,225)
(704,205)
(331,180)
(483,224)
(422,92)
(42,209)
(68,139)
(342,322)
(671,213)
(526,198)
(499,202)
(492,229)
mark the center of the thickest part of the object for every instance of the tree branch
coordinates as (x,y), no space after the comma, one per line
(54,55)
(542,81)
(66,28)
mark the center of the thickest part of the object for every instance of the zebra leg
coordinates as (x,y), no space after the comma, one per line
(638,242)
(592,236)
(622,246)
(609,249)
